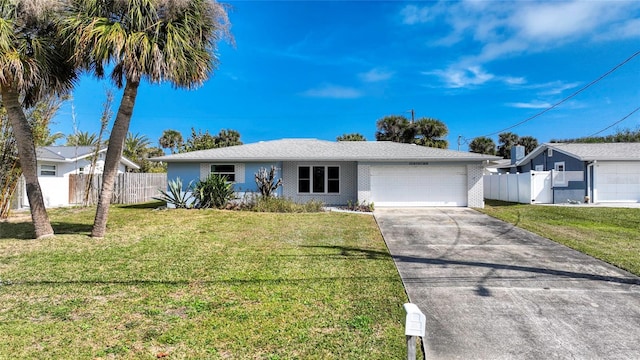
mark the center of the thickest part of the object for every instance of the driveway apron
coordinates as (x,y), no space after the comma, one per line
(491,290)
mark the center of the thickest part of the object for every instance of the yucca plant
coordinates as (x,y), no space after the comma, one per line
(213,192)
(175,196)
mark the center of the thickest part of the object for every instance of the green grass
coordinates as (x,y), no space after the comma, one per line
(609,234)
(204,284)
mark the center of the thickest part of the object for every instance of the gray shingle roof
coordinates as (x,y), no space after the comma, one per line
(600,151)
(321,150)
(63,153)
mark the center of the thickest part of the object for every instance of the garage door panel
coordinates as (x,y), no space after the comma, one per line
(419,186)
(617,181)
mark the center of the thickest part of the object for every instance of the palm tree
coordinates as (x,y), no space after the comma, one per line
(507,140)
(483,145)
(171,139)
(394,128)
(351,137)
(82,138)
(228,137)
(529,143)
(430,132)
(157,40)
(136,147)
(32,64)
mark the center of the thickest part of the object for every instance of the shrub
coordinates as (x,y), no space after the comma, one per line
(281,205)
(213,192)
(175,196)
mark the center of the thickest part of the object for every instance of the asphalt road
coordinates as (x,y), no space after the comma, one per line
(490,290)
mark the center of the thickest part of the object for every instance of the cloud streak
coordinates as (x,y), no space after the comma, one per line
(332,91)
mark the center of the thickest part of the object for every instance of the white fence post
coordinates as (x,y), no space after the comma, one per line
(415,325)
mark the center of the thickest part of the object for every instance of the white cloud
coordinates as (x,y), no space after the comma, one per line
(502,29)
(376,75)
(333,92)
(529,105)
(412,14)
(471,76)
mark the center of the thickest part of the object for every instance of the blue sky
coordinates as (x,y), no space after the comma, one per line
(320,69)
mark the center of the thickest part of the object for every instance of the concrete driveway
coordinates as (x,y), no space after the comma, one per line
(490,290)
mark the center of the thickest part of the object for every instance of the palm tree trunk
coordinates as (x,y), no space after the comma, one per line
(27,153)
(114,153)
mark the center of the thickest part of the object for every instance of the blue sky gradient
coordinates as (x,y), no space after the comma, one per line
(320,69)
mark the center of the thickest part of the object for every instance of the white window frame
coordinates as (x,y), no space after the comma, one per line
(559,168)
(549,152)
(47,172)
(234,172)
(326,179)
(539,168)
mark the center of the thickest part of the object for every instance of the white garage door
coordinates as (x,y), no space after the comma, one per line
(617,181)
(419,185)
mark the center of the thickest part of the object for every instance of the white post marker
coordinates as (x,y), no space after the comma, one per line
(415,325)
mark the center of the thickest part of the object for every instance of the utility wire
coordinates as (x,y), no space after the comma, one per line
(568,97)
(615,123)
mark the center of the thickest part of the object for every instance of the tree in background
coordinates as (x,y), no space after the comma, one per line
(430,132)
(623,135)
(351,137)
(159,40)
(33,63)
(425,131)
(137,149)
(171,139)
(82,138)
(529,143)
(483,145)
(506,141)
(204,141)
(394,128)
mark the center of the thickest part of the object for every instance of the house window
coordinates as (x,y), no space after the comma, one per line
(550,153)
(539,167)
(226,170)
(559,169)
(47,170)
(319,179)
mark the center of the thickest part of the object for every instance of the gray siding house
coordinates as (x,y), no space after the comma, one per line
(336,173)
(604,172)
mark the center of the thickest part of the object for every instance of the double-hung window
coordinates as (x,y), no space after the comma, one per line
(319,179)
(226,170)
(47,170)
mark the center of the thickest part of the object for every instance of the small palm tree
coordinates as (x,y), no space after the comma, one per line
(32,63)
(82,138)
(483,145)
(430,132)
(156,40)
(394,128)
(171,139)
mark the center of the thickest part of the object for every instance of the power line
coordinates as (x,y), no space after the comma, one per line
(568,97)
(615,123)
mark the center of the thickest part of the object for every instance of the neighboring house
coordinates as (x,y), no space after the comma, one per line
(56,163)
(336,173)
(601,172)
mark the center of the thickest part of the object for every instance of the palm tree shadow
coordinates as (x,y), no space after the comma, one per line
(24,230)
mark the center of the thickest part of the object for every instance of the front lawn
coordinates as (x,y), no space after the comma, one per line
(200,284)
(609,234)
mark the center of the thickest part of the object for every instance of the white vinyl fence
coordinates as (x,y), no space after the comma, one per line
(527,188)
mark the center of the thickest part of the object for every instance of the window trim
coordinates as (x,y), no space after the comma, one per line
(54,170)
(560,179)
(325,179)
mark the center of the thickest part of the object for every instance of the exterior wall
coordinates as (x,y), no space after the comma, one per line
(348,183)
(364,183)
(475,188)
(574,186)
(187,172)
(245,174)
